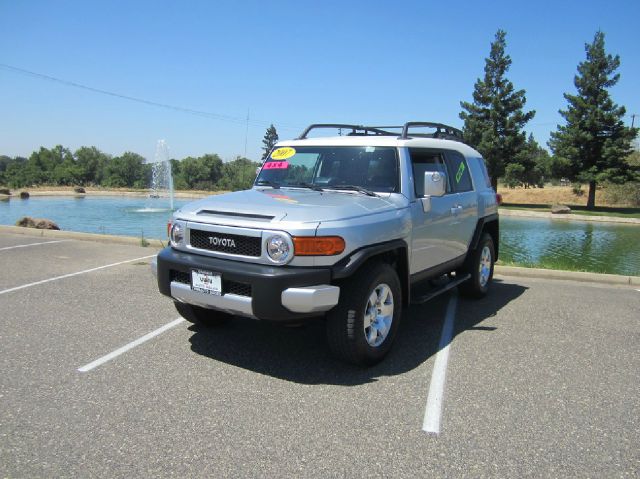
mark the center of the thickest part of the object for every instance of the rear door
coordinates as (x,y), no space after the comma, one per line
(466,200)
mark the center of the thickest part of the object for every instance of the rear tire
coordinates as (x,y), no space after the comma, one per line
(362,327)
(480,265)
(203,316)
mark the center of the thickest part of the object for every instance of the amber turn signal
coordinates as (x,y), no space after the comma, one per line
(169,229)
(318,245)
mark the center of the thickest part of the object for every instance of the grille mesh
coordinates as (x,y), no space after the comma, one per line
(232,287)
(244,245)
(180,277)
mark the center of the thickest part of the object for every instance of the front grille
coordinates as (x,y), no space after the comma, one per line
(226,243)
(232,287)
(228,287)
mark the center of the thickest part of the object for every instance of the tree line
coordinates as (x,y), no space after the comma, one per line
(88,166)
(593,146)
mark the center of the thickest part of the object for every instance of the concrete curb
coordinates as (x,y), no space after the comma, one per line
(570,275)
(500,270)
(567,217)
(126,240)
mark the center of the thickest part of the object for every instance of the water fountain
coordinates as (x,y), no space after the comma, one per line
(161,178)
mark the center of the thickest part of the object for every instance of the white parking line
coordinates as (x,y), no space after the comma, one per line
(32,244)
(73,274)
(433,410)
(127,347)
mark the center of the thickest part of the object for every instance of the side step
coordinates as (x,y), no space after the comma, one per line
(442,289)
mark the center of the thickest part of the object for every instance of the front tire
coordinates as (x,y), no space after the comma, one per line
(362,327)
(203,316)
(480,266)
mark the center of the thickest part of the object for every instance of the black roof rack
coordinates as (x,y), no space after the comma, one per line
(356,130)
(442,131)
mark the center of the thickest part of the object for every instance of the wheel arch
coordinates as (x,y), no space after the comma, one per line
(491,225)
(393,252)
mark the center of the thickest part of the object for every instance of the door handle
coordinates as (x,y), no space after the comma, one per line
(456,210)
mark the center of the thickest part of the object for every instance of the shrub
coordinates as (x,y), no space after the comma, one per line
(625,194)
(577,189)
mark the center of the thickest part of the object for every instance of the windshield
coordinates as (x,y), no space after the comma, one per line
(373,168)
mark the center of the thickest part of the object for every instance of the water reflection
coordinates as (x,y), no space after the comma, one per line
(602,247)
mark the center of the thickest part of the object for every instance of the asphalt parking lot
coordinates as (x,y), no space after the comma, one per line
(541,381)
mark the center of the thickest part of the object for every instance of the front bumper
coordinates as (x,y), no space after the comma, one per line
(255,290)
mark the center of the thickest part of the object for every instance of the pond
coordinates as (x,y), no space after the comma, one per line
(558,244)
(571,245)
(115,215)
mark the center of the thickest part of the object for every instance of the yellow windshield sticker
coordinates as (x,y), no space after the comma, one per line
(283,153)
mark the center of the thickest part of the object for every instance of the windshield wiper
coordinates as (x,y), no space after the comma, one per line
(307,185)
(359,189)
(272,184)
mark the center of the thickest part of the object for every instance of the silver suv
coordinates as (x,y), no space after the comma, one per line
(345,227)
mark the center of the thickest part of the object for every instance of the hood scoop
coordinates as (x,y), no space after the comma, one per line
(235,214)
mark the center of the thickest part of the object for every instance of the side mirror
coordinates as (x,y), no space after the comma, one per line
(435,184)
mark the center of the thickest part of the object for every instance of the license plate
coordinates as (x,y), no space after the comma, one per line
(206,282)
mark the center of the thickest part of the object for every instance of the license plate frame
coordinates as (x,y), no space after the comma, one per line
(207,282)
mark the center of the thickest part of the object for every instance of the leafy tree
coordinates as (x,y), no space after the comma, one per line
(269,140)
(493,122)
(202,172)
(594,141)
(39,168)
(127,170)
(91,163)
(238,174)
(13,174)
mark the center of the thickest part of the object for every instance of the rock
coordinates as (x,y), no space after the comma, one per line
(24,195)
(5,191)
(79,189)
(560,209)
(38,223)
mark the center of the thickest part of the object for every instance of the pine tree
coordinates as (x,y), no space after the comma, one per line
(594,140)
(269,140)
(493,122)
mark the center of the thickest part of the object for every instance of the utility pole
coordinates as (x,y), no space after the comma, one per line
(246,134)
(633,119)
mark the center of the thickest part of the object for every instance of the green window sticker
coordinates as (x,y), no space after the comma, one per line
(460,173)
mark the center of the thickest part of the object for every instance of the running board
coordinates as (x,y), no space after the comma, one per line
(443,289)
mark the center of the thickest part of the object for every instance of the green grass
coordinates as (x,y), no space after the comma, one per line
(579,210)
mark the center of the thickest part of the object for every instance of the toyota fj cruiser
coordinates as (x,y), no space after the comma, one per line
(349,227)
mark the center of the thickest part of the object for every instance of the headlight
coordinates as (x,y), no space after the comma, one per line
(278,249)
(177,234)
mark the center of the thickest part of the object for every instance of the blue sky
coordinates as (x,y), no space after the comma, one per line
(290,63)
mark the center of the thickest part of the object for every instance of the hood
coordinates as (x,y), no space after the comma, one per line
(267,204)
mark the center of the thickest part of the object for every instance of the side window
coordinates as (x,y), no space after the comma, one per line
(485,173)
(422,161)
(459,176)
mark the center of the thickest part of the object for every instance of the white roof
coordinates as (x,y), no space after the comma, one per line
(383,140)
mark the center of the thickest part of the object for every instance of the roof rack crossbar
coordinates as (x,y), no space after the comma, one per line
(356,130)
(442,130)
